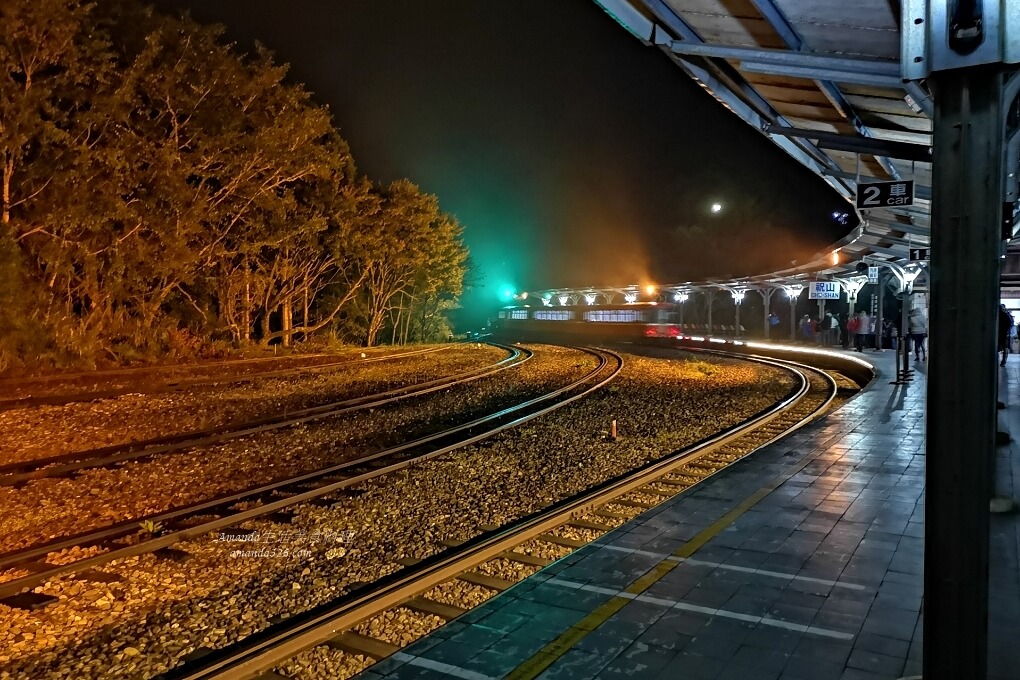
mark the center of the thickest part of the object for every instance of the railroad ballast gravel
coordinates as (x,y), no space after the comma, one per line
(164,610)
(86,383)
(43,431)
(99,497)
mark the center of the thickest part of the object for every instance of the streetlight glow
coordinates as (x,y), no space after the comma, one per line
(716,207)
(650,289)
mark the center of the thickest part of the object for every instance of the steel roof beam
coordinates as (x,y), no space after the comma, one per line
(858,144)
(788,33)
(915,229)
(846,66)
(913,213)
(876,72)
(907,227)
(814,73)
(888,251)
(901,241)
(729,87)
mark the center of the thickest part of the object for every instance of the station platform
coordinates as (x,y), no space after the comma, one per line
(803,561)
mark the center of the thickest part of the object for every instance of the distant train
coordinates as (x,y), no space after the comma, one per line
(627,321)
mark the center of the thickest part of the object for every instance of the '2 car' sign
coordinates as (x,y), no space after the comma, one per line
(885,194)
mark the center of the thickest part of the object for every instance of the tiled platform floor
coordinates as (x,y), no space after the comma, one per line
(802,562)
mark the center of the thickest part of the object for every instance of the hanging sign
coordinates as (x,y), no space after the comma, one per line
(872,274)
(885,194)
(918,254)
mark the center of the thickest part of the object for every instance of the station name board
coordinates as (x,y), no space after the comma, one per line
(823,290)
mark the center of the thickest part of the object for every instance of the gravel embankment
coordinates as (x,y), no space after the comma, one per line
(43,431)
(162,610)
(86,383)
(52,507)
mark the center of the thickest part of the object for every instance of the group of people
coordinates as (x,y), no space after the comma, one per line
(860,329)
(831,330)
(825,331)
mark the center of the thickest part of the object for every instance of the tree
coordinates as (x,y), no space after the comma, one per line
(438,282)
(154,181)
(418,257)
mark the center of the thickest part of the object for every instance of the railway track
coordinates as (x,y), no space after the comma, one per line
(273,500)
(13,389)
(66,464)
(592,512)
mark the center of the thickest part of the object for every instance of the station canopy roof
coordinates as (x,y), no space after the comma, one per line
(822,80)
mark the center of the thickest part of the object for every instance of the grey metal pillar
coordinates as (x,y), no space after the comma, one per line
(710,297)
(820,335)
(878,319)
(793,319)
(766,298)
(961,421)
(904,362)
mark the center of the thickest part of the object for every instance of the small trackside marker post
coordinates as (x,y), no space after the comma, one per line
(612,430)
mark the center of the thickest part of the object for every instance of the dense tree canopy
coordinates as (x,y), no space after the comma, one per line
(162,191)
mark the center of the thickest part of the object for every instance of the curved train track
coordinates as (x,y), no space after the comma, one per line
(66,464)
(12,390)
(273,500)
(330,623)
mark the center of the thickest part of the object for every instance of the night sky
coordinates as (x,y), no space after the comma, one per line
(570,152)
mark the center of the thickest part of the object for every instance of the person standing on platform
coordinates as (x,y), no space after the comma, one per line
(853,327)
(888,334)
(844,327)
(1005,324)
(806,328)
(918,329)
(862,330)
(831,329)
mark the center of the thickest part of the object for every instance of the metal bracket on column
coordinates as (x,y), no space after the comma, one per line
(940,35)
(852,286)
(1011,155)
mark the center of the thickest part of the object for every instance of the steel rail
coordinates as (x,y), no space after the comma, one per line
(57,377)
(63,464)
(183,383)
(128,527)
(263,650)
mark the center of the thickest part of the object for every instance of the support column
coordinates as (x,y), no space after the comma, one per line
(738,297)
(793,292)
(709,298)
(878,319)
(680,297)
(766,297)
(793,319)
(822,331)
(960,439)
